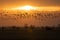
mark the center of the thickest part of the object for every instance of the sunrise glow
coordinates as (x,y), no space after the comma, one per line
(26,8)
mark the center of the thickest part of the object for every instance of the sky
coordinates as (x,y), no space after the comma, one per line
(14,3)
(6,20)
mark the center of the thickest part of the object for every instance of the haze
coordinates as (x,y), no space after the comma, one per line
(16,3)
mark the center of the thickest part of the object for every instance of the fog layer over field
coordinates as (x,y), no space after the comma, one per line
(17,18)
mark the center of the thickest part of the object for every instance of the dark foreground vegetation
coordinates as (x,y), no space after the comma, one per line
(30,33)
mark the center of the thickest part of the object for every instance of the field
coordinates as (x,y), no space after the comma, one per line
(30,33)
(30,26)
(36,18)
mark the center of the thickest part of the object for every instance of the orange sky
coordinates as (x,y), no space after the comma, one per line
(16,3)
(41,4)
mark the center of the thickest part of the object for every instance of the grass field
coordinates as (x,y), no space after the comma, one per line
(29,33)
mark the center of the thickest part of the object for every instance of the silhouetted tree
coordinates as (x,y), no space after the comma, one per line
(47,28)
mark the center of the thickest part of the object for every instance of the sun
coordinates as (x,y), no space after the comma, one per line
(27,7)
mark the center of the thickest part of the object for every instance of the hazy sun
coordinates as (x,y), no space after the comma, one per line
(26,8)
